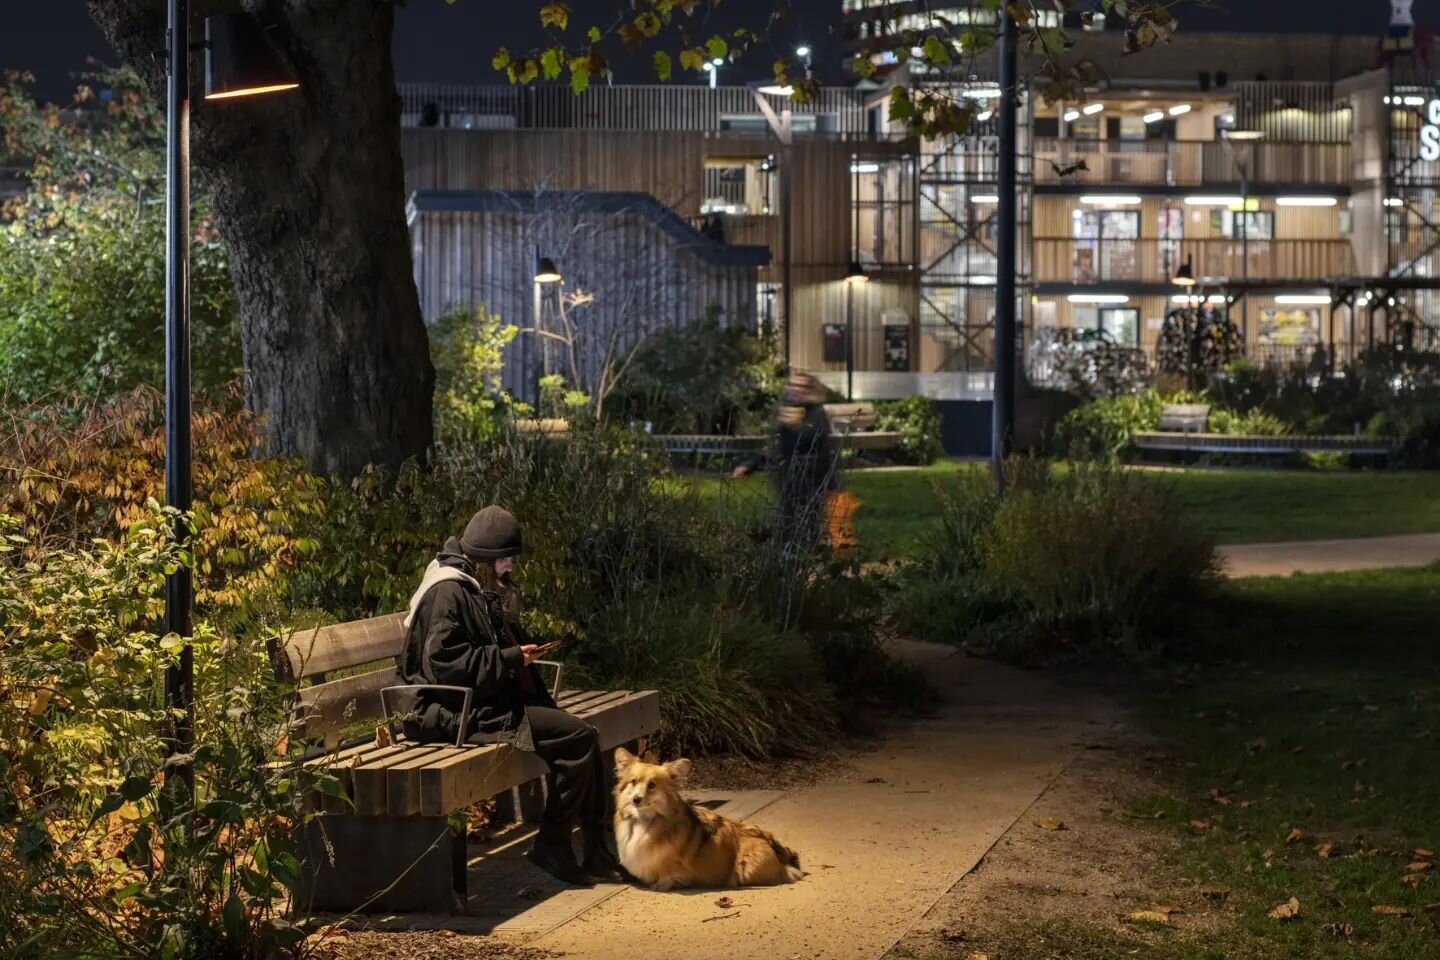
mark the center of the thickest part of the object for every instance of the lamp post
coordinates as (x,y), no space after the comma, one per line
(240,61)
(1007,211)
(546,273)
(854,276)
(713,68)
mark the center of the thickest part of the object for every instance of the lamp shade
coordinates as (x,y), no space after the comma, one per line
(856,273)
(241,59)
(1185,276)
(546,271)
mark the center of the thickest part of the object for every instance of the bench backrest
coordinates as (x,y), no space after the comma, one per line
(338,693)
(850,416)
(1185,417)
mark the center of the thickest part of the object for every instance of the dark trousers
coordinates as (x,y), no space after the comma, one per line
(575,786)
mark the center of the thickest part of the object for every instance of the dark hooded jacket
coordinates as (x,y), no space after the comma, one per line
(459,635)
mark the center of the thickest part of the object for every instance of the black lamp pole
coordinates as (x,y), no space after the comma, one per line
(179,679)
(1003,404)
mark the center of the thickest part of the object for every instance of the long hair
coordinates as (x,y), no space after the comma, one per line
(506,597)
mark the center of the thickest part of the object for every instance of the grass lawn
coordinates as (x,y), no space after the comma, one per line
(1307,764)
(1239,506)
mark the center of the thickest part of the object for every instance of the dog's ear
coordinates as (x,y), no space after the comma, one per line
(623,759)
(679,769)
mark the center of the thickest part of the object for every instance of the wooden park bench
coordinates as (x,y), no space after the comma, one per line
(1184,417)
(851,417)
(393,816)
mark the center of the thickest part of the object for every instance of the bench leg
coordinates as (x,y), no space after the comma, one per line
(349,860)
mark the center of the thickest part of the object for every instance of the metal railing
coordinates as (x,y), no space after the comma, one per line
(1188,162)
(1066,260)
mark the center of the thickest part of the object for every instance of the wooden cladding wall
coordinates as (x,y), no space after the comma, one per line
(640,278)
(667,166)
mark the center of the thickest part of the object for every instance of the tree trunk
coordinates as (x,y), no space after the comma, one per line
(307,188)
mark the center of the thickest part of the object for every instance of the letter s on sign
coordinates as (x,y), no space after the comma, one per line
(1430,143)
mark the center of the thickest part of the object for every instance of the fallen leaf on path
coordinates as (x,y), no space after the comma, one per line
(1050,824)
(446,934)
(1296,835)
(1420,866)
(724,903)
(1413,880)
(1218,894)
(1338,930)
(877,780)
(1219,797)
(1288,910)
(1149,916)
(1390,910)
(1431,908)
(1200,824)
(1269,855)
(1324,850)
(1256,745)
(978,956)
(1421,854)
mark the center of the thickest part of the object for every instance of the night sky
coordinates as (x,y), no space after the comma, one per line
(453,43)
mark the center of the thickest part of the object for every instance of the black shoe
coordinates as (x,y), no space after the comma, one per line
(558,860)
(599,863)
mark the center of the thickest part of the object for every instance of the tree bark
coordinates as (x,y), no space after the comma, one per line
(307,188)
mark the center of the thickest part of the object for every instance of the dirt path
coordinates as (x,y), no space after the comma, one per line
(1325,556)
(883,841)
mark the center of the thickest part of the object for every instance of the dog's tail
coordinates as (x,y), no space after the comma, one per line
(787,857)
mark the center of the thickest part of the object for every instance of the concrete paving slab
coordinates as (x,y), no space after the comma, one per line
(883,842)
(1328,556)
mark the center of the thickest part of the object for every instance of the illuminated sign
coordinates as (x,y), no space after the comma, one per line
(1430,133)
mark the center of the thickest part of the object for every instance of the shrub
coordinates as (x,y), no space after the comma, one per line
(76,471)
(1101,430)
(918,422)
(1087,559)
(467,349)
(705,377)
(1254,423)
(82,268)
(97,859)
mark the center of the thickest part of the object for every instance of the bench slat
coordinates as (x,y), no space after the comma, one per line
(370,780)
(330,707)
(313,652)
(460,777)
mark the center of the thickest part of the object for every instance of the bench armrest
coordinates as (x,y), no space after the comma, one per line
(465,692)
(559,670)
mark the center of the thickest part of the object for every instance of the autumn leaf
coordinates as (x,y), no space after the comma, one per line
(1390,910)
(724,903)
(555,15)
(1295,836)
(501,60)
(1219,797)
(594,34)
(1324,850)
(1050,824)
(550,62)
(692,59)
(1256,745)
(1288,910)
(1413,880)
(1149,916)
(936,51)
(662,65)
(1420,866)
(1422,854)
(580,69)
(1200,824)
(717,48)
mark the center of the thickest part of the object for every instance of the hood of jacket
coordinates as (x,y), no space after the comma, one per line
(450,564)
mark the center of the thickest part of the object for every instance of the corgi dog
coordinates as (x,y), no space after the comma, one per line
(665,841)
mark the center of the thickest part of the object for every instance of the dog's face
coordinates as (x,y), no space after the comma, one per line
(647,790)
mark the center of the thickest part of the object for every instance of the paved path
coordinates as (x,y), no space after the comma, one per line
(882,842)
(1325,556)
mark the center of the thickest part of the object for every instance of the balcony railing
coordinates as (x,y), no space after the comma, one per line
(1184,163)
(1156,261)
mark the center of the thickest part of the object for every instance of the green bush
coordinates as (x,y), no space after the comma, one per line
(706,377)
(467,349)
(918,422)
(1256,423)
(1101,430)
(1085,559)
(82,261)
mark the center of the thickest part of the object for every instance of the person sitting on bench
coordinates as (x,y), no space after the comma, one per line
(463,630)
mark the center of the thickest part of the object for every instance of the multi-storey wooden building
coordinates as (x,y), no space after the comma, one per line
(1295,176)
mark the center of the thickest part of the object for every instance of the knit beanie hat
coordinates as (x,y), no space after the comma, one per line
(491,534)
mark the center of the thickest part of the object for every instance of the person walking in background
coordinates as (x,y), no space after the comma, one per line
(463,629)
(805,462)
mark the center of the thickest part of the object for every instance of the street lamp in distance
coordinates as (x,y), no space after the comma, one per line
(1185,276)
